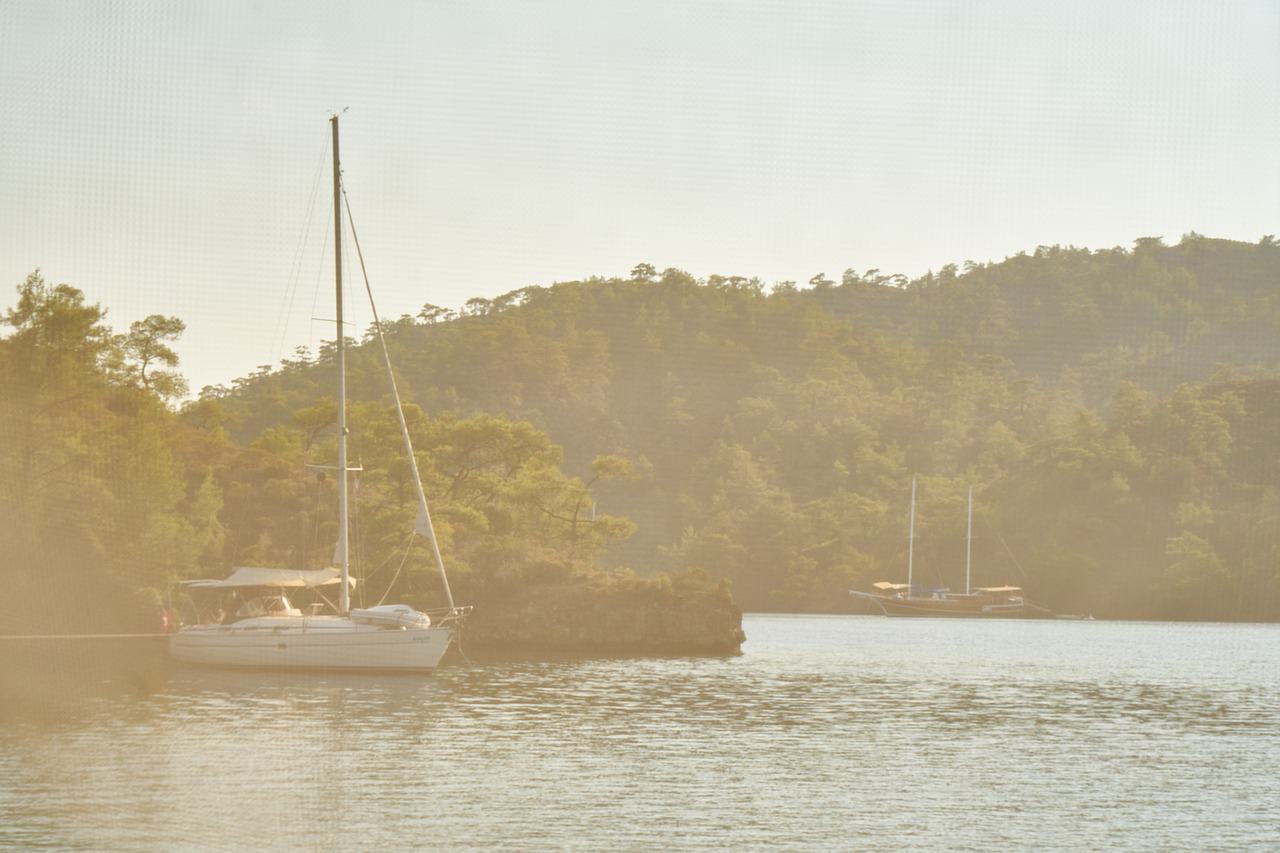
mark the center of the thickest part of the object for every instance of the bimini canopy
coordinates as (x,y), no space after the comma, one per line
(887,585)
(243,576)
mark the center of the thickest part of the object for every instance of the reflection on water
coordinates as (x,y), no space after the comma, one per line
(856,733)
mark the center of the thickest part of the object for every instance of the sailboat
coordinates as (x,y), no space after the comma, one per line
(265,630)
(911,599)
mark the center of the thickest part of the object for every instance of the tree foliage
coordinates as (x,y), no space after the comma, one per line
(86,459)
(1115,411)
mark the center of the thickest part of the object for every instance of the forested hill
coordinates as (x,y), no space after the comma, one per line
(1116,412)
(1158,315)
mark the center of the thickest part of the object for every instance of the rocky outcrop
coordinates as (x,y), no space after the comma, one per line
(623,616)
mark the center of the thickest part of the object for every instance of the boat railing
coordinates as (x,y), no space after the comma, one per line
(448,615)
(1002,608)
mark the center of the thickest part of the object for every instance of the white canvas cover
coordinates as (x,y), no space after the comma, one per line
(242,576)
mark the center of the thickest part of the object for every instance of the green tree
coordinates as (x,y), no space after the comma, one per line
(53,423)
(98,499)
(147,350)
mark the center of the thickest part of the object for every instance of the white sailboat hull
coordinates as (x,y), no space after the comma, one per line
(317,642)
(267,633)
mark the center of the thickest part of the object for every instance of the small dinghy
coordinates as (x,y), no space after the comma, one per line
(391,616)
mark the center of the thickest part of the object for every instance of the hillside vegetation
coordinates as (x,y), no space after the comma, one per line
(1115,411)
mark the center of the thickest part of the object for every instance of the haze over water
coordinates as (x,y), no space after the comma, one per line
(848,733)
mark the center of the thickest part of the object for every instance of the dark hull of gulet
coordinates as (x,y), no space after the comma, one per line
(957,608)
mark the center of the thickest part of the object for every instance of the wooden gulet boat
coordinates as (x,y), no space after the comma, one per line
(911,599)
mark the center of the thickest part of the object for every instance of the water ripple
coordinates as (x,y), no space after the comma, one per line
(829,733)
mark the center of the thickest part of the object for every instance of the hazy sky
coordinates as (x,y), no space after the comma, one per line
(162,156)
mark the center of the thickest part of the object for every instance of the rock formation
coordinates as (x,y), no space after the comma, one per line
(607,615)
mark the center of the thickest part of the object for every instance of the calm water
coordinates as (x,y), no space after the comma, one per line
(831,733)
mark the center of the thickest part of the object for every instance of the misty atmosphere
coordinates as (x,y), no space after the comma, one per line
(1114,411)
(710,340)
(640,460)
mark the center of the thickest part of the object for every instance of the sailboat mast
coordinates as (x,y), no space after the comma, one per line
(343,551)
(968,544)
(911,535)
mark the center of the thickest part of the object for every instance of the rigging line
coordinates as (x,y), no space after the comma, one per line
(317,289)
(357,541)
(281,334)
(396,576)
(403,543)
(1007,549)
(321,500)
(457,644)
(424,513)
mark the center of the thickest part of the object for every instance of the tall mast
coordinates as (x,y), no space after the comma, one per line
(968,544)
(343,551)
(911,536)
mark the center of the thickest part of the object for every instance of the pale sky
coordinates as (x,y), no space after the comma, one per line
(161,156)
